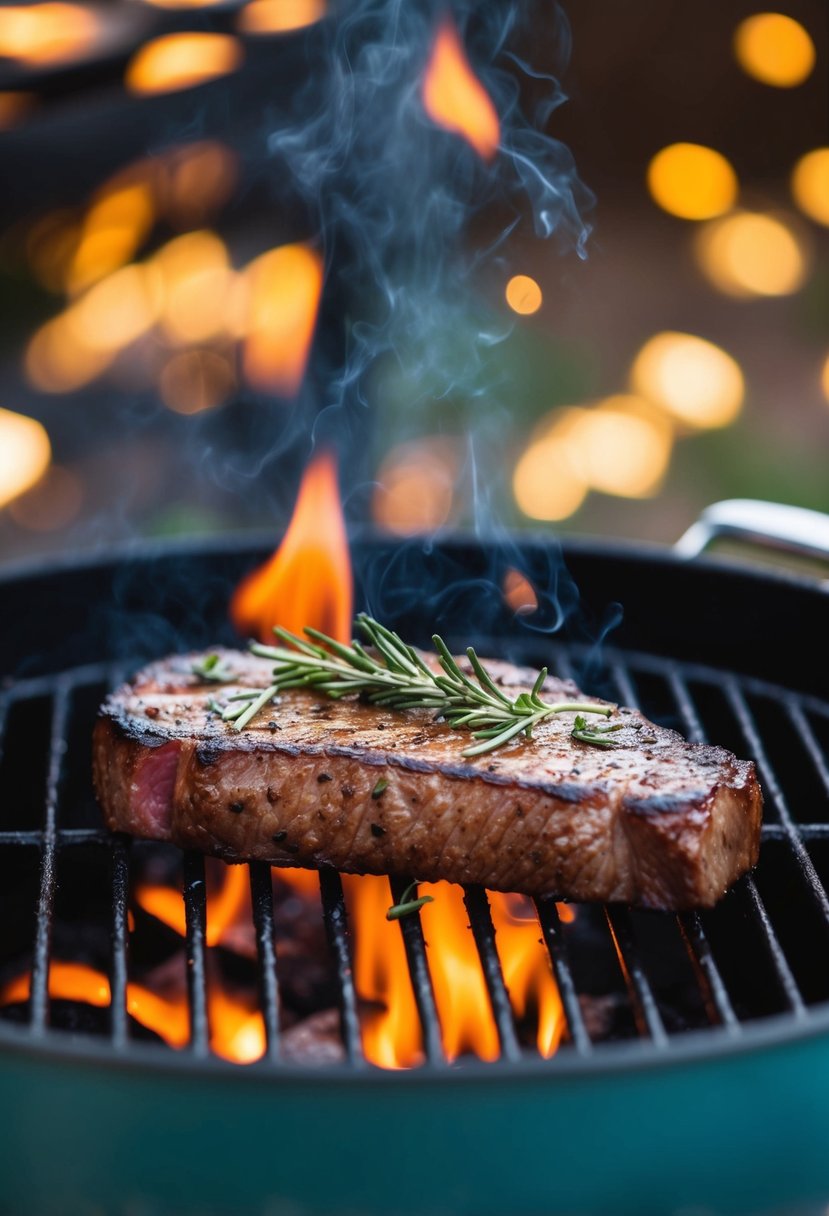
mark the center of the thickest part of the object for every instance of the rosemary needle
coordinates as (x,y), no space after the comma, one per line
(386,671)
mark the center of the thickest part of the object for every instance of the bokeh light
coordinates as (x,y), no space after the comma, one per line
(284,292)
(519,592)
(116,224)
(692,181)
(622,446)
(279,16)
(752,254)
(547,483)
(196,282)
(416,486)
(57,360)
(53,503)
(25,453)
(196,380)
(824,379)
(523,295)
(181,61)
(118,310)
(690,378)
(774,49)
(14,106)
(810,185)
(43,34)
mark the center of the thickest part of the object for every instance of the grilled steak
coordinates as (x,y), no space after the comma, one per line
(655,821)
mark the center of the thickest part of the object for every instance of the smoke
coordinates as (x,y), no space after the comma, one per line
(393,196)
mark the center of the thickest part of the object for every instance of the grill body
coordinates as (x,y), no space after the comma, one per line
(731,1116)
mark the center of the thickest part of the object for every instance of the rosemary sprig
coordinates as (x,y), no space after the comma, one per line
(597,735)
(212,670)
(408,905)
(394,676)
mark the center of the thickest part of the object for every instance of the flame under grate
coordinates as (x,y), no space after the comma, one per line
(620,973)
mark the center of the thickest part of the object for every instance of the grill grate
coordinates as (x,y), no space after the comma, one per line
(758,953)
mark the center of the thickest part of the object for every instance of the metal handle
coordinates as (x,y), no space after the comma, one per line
(790,529)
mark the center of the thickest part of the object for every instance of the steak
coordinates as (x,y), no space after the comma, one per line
(654,821)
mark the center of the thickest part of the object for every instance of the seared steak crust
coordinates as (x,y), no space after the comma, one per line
(655,821)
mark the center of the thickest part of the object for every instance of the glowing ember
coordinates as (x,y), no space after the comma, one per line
(285,289)
(308,579)
(180,61)
(454,98)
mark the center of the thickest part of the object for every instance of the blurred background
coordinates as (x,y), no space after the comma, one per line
(173,322)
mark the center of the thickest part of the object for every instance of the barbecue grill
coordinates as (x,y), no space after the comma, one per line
(711,1093)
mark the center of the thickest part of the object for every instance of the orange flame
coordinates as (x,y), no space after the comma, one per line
(285,285)
(461,995)
(228,902)
(526,966)
(453,96)
(237,1029)
(390,1026)
(308,579)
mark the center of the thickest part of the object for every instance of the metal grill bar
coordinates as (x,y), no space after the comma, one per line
(804,729)
(717,1001)
(424,993)
(195,912)
(643,1001)
(336,925)
(752,737)
(261,895)
(39,993)
(119,860)
(63,836)
(106,673)
(715,992)
(550,922)
(483,930)
(783,972)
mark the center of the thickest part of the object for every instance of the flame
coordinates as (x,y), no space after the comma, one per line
(46,33)
(526,966)
(285,286)
(308,579)
(228,901)
(454,98)
(390,1026)
(464,1011)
